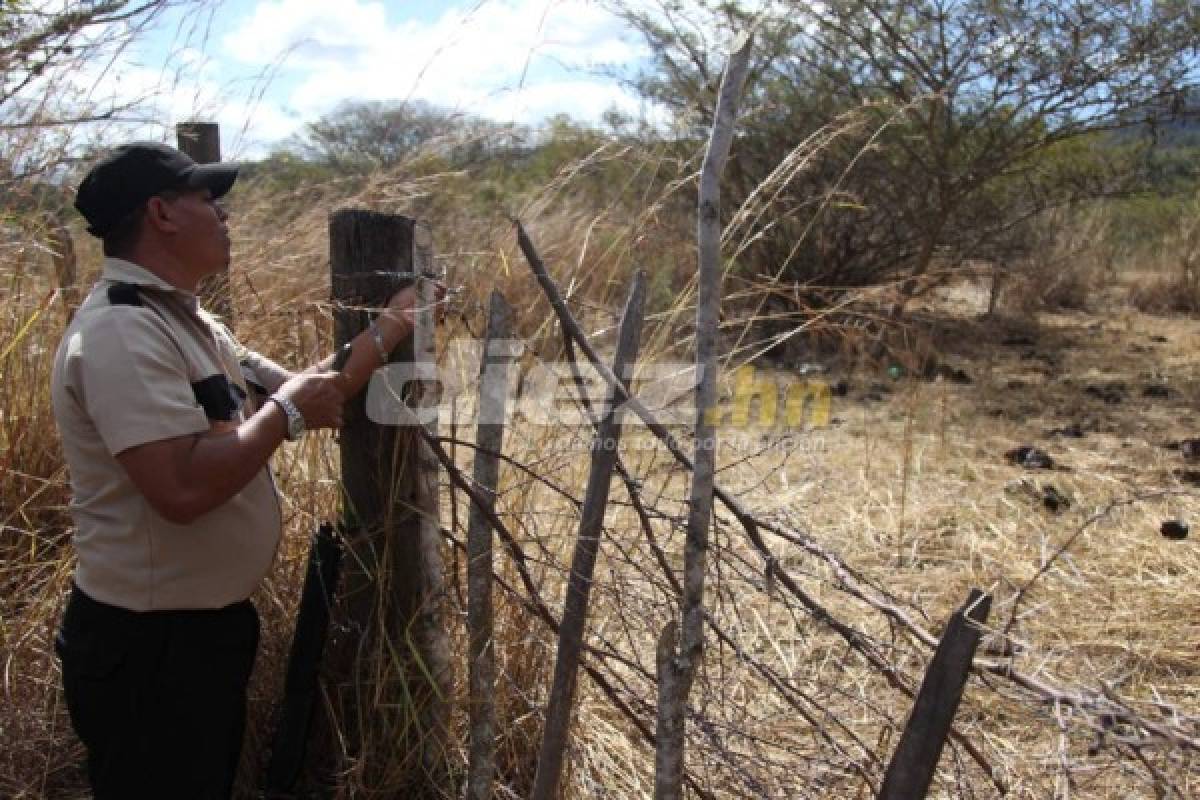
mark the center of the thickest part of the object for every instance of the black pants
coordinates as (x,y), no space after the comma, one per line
(158,698)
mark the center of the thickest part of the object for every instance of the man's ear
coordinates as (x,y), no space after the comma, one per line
(160,215)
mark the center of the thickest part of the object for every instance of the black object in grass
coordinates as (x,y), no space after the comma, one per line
(1054,500)
(1030,458)
(1174,529)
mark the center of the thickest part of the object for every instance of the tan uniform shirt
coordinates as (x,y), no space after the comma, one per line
(140,363)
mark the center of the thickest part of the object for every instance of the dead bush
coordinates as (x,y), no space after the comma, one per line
(1072,286)
(1167,294)
(1177,288)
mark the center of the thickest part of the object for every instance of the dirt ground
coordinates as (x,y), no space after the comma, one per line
(1046,460)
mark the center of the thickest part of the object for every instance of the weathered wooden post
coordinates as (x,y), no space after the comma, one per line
(62,252)
(587,546)
(386,666)
(431,642)
(916,758)
(677,667)
(481,656)
(202,142)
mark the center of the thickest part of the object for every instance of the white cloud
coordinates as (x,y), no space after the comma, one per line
(514,60)
(581,100)
(191,86)
(262,73)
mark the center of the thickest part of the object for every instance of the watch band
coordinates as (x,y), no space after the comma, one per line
(295,420)
(342,356)
(377,337)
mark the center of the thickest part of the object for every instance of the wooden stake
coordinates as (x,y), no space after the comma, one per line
(583,561)
(489,439)
(202,143)
(677,672)
(433,642)
(916,758)
(62,251)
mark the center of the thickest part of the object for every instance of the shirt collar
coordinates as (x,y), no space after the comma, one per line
(118,270)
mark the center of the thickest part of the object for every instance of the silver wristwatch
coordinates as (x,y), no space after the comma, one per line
(295,420)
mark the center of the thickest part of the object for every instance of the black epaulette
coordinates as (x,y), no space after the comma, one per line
(124,294)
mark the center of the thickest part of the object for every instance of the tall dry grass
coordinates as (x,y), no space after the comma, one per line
(1171,282)
(909,491)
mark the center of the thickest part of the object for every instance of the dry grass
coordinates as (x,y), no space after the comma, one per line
(909,486)
(1173,282)
(1070,267)
(1166,294)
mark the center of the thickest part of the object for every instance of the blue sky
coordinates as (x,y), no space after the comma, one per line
(264,67)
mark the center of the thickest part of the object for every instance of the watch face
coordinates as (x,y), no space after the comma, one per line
(295,424)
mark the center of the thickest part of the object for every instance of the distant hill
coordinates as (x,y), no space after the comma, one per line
(1178,123)
(1183,131)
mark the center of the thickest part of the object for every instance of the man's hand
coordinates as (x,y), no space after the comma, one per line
(401,308)
(400,315)
(369,349)
(317,396)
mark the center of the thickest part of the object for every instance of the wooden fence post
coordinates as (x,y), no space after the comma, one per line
(202,142)
(384,704)
(431,641)
(583,560)
(489,438)
(677,668)
(916,758)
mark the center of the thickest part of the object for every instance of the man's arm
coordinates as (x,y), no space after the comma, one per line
(366,354)
(187,476)
(394,325)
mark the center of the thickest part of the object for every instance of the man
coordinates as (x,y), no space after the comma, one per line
(176,514)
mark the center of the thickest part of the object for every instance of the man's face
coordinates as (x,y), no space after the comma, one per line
(202,236)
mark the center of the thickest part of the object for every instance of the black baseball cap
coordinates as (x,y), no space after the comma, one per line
(131,174)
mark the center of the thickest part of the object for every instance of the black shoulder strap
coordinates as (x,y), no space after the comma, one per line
(124,294)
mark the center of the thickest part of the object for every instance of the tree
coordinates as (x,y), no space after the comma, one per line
(358,137)
(951,122)
(45,48)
